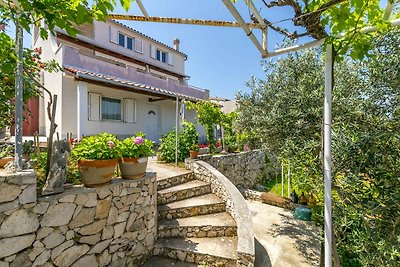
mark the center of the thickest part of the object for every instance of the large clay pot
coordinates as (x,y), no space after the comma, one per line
(95,172)
(194,154)
(4,161)
(132,168)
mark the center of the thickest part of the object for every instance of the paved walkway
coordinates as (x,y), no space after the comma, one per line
(164,170)
(281,240)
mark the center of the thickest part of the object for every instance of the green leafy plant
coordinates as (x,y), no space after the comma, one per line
(27,147)
(186,140)
(136,147)
(194,147)
(8,151)
(101,146)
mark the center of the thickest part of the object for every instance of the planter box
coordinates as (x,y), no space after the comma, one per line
(203,151)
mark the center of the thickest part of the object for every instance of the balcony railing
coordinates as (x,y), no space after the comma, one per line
(72,58)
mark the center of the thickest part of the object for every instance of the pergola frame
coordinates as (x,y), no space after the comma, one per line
(263,49)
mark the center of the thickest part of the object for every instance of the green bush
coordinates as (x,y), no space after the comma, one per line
(136,147)
(186,140)
(101,146)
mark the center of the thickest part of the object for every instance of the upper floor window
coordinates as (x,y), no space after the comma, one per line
(129,43)
(162,56)
(121,39)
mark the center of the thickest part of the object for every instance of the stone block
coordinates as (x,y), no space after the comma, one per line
(18,223)
(93,228)
(88,261)
(9,192)
(54,239)
(42,258)
(85,216)
(59,214)
(102,208)
(70,255)
(41,207)
(12,245)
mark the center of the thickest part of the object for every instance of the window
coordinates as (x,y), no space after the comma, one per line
(110,109)
(121,39)
(129,43)
(162,56)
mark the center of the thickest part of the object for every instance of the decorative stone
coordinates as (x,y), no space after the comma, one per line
(48,264)
(10,258)
(58,215)
(91,239)
(4,264)
(98,248)
(92,200)
(9,246)
(43,232)
(122,217)
(105,258)
(130,199)
(9,192)
(181,255)
(70,234)
(84,217)
(58,168)
(42,258)
(89,261)
(54,239)
(112,215)
(81,199)
(35,252)
(9,206)
(93,228)
(57,251)
(102,208)
(119,229)
(41,208)
(21,260)
(28,195)
(103,192)
(18,223)
(38,244)
(68,199)
(70,255)
(108,232)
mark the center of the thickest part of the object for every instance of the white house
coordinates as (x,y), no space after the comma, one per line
(115,80)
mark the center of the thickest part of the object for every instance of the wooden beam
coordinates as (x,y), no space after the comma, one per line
(156,99)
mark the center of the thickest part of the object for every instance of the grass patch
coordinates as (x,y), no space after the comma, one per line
(275,186)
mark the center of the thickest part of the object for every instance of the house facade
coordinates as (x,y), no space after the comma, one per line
(115,80)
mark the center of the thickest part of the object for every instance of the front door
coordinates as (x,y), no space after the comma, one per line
(152,131)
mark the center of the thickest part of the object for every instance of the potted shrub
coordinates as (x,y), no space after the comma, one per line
(6,155)
(204,149)
(134,156)
(194,151)
(97,158)
(218,147)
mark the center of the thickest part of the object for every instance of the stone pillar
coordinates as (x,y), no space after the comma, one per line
(82,109)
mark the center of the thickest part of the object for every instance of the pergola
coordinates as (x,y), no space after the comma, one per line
(262,47)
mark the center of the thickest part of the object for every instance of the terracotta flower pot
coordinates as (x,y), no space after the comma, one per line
(5,160)
(193,154)
(95,172)
(132,168)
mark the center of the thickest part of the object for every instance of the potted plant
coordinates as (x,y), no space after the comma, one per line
(194,151)
(218,147)
(6,155)
(134,156)
(204,149)
(97,158)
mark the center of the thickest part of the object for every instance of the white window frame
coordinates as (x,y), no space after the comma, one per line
(139,42)
(134,110)
(121,108)
(161,54)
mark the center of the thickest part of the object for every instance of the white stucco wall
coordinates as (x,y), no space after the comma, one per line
(102,36)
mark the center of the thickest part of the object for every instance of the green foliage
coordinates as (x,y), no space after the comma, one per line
(101,146)
(136,147)
(186,139)
(7,151)
(209,115)
(285,111)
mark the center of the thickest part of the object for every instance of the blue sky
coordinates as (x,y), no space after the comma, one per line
(219,59)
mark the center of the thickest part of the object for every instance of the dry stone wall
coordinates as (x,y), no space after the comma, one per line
(244,169)
(113,225)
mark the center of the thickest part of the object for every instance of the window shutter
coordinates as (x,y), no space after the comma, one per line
(129,110)
(153,51)
(113,35)
(170,59)
(94,106)
(138,46)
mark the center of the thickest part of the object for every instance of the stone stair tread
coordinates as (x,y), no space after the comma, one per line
(157,261)
(188,185)
(223,247)
(192,202)
(161,177)
(216,219)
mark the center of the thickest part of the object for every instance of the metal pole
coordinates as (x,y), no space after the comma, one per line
(327,154)
(141,6)
(19,83)
(283,178)
(288,180)
(176,130)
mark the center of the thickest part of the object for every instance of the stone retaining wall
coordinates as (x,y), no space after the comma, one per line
(244,169)
(236,206)
(113,225)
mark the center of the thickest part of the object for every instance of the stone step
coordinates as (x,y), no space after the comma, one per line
(166,182)
(204,204)
(166,262)
(183,191)
(217,251)
(209,225)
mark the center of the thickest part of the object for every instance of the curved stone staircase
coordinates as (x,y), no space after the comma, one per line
(193,226)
